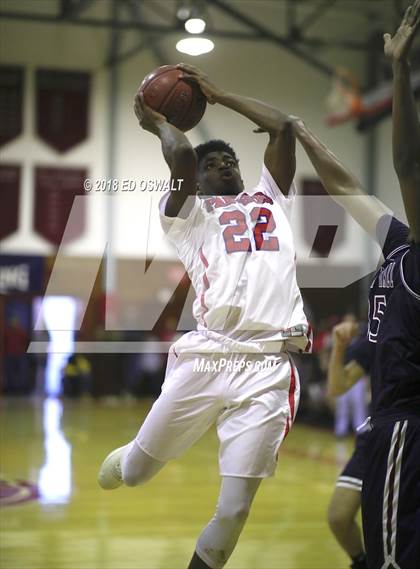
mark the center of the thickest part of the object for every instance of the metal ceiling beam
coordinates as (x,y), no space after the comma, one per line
(121,25)
(145,41)
(267,34)
(85,22)
(148,39)
(290,17)
(315,14)
(72,8)
(65,8)
(161,29)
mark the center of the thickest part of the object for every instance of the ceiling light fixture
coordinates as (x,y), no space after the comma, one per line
(195,46)
(195,25)
(191,14)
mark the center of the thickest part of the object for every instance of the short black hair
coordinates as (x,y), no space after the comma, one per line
(214,146)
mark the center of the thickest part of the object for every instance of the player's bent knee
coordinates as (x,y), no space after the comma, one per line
(237,514)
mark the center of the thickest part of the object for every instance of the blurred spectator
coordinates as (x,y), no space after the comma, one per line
(152,369)
(351,408)
(107,366)
(77,378)
(132,362)
(40,360)
(15,358)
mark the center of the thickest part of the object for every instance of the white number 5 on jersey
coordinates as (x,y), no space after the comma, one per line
(379,305)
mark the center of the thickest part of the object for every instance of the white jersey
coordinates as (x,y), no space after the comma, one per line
(240,256)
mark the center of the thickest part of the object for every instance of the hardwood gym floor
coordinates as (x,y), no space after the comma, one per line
(54,516)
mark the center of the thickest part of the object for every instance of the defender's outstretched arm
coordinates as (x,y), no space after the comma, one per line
(405,120)
(280,152)
(339,182)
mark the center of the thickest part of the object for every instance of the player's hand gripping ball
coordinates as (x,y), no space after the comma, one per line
(180,101)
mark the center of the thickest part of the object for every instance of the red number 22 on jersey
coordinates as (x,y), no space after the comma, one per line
(237,227)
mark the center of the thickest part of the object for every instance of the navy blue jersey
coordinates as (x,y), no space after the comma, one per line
(360,351)
(394,322)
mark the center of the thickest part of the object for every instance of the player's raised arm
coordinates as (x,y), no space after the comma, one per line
(405,120)
(341,377)
(279,156)
(178,153)
(339,182)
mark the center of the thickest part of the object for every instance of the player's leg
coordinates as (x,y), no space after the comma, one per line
(260,408)
(391,494)
(342,512)
(219,537)
(345,504)
(128,465)
(187,407)
(137,467)
(359,410)
(342,415)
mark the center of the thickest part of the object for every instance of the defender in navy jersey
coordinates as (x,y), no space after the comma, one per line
(394,322)
(391,484)
(349,362)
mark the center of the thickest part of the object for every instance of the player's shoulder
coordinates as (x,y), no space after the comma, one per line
(268,186)
(410,270)
(176,227)
(392,235)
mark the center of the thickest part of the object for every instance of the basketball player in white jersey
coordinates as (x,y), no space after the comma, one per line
(235,369)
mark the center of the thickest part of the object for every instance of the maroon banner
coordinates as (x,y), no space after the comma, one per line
(9,199)
(11,102)
(55,190)
(317,215)
(62,103)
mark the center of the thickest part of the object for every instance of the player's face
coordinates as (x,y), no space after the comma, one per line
(219,175)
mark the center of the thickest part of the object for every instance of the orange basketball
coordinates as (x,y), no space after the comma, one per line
(182,102)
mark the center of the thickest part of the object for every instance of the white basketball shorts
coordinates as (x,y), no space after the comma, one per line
(252,398)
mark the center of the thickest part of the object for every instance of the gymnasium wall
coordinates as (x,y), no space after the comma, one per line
(259,70)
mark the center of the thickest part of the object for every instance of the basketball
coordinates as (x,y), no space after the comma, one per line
(182,102)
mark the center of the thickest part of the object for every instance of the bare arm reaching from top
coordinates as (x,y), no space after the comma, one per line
(405,120)
(339,182)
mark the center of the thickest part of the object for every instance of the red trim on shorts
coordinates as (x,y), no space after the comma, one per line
(206,285)
(287,429)
(292,389)
(308,347)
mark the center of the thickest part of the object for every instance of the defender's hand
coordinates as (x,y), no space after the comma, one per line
(297,125)
(148,118)
(210,91)
(344,332)
(398,46)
